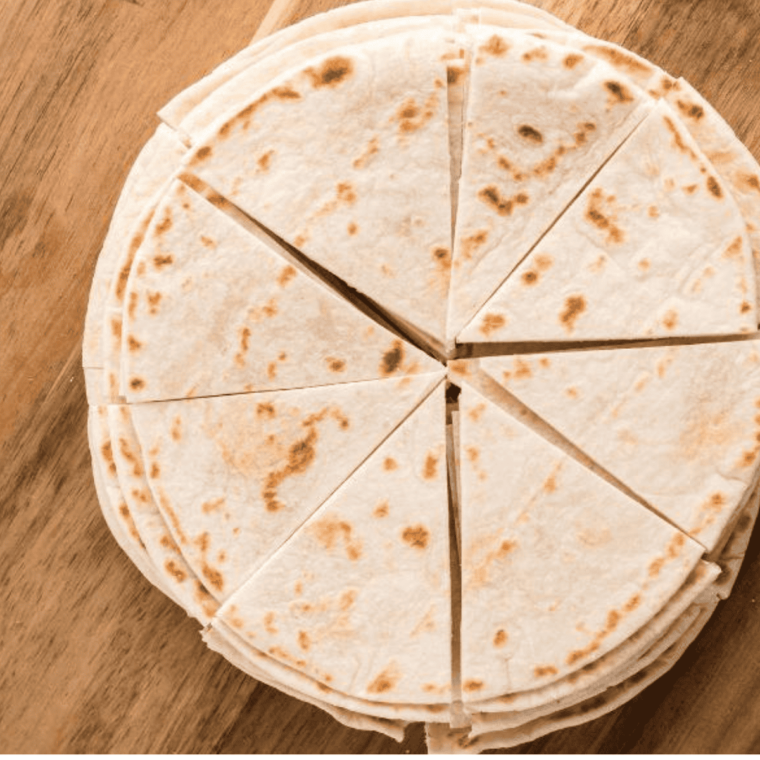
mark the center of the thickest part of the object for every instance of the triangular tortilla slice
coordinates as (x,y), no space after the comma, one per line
(258,322)
(234,476)
(359,598)
(541,119)
(162,549)
(678,425)
(655,246)
(558,566)
(347,159)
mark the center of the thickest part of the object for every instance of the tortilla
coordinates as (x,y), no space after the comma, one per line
(234,476)
(540,596)
(528,149)
(358,185)
(115,510)
(392,728)
(162,550)
(260,323)
(689,450)
(358,598)
(654,246)
(162,151)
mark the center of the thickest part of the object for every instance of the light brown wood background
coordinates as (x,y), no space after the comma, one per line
(93,658)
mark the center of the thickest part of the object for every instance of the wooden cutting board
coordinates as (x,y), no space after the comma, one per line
(93,658)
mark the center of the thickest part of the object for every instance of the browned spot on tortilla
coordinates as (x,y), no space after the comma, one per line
(386,681)
(201,155)
(745,307)
(132,308)
(543,262)
(453,74)
(473,242)
(500,638)
(670,320)
(618,93)
(330,530)
(269,622)
(213,576)
(491,323)
(572,60)
(522,369)
(175,570)
(677,138)
(154,299)
(550,484)
(208,242)
(416,536)
(303,641)
(541,671)
(531,134)
(392,359)
(352,228)
(574,307)
(272,370)
(603,219)
(301,455)
(430,470)
(750,182)
(690,189)
(619,58)
(131,527)
(286,275)
(442,258)
(116,328)
(653,212)
(107,451)
(530,277)
(192,181)
(644,265)
(346,192)
(537,54)
(285,656)
(734,249)
(390,464)
(502,206)
(133,343)
(263,161)
(137,383)
(472,684)
(381,510)
(161,261)
(373,147)
(476,412)
(130,456)
(691,110)
(335,365)
(495,46)
(713,187)
(333,72)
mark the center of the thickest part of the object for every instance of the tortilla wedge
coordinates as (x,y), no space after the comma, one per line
(689,452)
(655,246)
(358,598)
(357,208)
(531,512)
(234,476)
(528,149)
(259,322)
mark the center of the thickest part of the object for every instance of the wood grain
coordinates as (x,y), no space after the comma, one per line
(94,659)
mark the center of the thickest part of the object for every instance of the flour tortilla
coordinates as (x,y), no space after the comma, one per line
(528,149)
(655,246)
(356,208)
(688,449)
(359,597)
(442,741)
(160,154)
(154,533)
(234,476)
(375,11)
(392,728)
(259,323)
(112,505)
(530,512)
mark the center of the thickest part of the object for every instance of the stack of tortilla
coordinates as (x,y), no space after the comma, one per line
(422,360)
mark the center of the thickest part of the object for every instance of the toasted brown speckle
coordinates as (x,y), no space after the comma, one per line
(713,187)
(137,383)
(386,681)
(392,359)
(491,323)
(430,471)
(381,510)
(472,684)
(333,72)
(416,536)
(495,47)
(161,261)
(618,93)
(572,60)
(500,638)
(574,307)
(541,671)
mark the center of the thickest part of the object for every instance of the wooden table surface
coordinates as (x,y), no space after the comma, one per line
(92,657)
